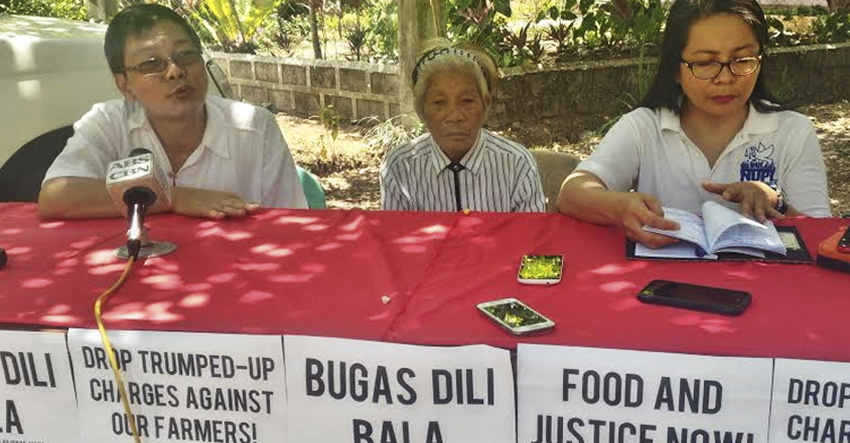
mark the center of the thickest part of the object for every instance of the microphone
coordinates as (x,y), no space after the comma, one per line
(137,199)
(139,169)
(135,185)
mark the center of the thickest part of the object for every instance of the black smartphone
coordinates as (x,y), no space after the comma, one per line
(700,298)
(844,242)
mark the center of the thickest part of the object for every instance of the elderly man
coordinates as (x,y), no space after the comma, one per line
(458,165)
(223,158)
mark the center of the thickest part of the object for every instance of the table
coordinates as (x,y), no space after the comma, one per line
(329,273)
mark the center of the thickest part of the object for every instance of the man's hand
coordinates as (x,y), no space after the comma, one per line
(758,200)
(637,210)
(209,204)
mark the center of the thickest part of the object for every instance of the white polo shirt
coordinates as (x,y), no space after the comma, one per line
(499,176)
(242,151)
(647,150)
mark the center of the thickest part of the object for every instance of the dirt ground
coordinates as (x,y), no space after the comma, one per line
(348,167)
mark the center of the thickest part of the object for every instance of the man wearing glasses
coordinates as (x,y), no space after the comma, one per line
(222,158)
(707,129)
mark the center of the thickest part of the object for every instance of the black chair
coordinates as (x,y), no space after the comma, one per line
(22,174)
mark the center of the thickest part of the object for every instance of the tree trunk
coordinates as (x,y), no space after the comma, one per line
(101,10)
(418,21)
(838,5)
(314,29)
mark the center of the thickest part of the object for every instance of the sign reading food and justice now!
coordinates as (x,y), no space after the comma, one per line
(368,392)
(36,389)
(574,394)
(182,387)
(811,402)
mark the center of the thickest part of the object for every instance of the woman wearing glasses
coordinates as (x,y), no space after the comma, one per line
(222,158)
(708,128)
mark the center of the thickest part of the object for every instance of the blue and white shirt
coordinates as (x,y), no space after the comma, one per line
(647,150)
(499,176)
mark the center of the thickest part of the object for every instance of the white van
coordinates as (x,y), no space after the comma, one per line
(51,73)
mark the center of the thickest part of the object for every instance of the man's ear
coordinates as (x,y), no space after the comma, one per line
(123,85)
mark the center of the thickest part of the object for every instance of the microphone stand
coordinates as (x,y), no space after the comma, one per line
(138,244)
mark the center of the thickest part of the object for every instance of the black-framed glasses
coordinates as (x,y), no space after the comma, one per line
(158,65)
(708,70)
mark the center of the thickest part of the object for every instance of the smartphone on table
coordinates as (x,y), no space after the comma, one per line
(540,269)
(515,317)
(696,297)
(844,242)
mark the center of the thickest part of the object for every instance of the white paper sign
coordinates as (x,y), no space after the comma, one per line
(36,389)
(811,402)
(574,394)
(368,392)
(183,387)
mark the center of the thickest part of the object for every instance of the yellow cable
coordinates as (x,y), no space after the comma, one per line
(106,344)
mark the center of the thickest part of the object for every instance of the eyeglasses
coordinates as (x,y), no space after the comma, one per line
(708,70)
(158,65)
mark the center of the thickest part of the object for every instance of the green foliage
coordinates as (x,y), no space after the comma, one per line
(67,9)
(382,35)
(516,42)
(832,28)
(356,37)
(536,50)
(560,33)
(391,133)
(330,120)
(482,23)
(231,25)
(617,23)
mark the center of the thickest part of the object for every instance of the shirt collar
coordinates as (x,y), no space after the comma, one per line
(472,160)
(214,134)
(756,122)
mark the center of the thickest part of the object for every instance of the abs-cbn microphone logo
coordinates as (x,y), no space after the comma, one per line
(139,169)
(132,167)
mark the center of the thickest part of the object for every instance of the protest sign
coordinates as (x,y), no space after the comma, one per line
(36,389)
(182,387)
(811,402)
(613,396)
(368,392)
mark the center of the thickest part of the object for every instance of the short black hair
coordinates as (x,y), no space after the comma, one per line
(665,92)
(134,21)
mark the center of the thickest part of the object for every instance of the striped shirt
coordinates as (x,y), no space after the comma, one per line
(499,176)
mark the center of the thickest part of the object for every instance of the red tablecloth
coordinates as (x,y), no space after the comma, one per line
(325,273)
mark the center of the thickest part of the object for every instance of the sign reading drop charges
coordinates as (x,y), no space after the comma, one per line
(811,402)
(182,387)
(573,394)
(36,391)
(367,392)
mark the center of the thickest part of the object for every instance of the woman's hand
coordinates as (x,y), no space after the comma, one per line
(209,204)
(757,199)
(636,210)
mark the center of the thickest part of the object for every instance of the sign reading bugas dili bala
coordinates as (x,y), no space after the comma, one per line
(368,392)
(811,402)
(574,394)
(182,387)
(37,391)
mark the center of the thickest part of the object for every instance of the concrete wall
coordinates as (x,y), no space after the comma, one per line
(355,90)
(583,96)
(576,97)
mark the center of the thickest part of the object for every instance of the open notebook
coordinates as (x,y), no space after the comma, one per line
(724,234)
